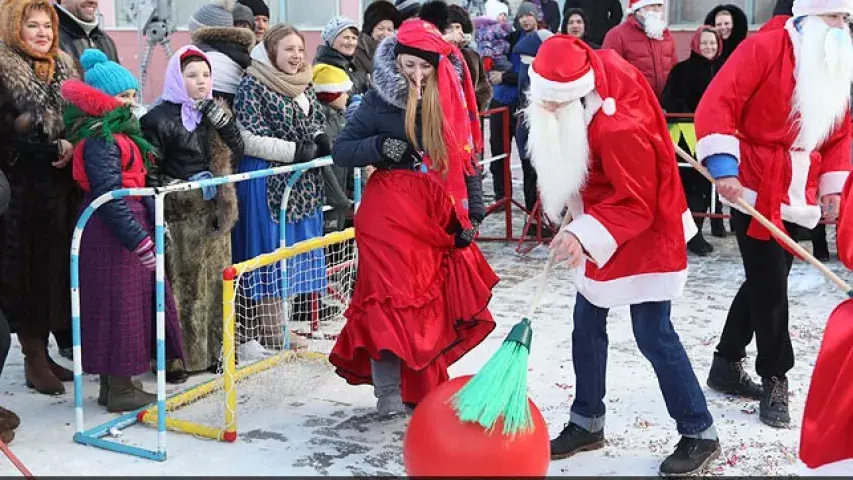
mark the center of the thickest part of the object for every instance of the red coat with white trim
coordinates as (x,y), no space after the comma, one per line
(631,217)
(746,112)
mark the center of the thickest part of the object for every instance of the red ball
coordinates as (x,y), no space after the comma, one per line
(437,443)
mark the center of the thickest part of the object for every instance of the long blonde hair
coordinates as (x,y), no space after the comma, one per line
(432,122)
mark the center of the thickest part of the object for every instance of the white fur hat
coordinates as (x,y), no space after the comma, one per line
(822,7)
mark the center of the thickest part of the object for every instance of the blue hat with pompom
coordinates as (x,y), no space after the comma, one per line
(106,75)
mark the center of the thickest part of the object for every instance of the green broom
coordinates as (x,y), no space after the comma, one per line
(499,389)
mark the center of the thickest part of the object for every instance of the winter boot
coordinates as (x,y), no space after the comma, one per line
(730,378)
(7,436)
(691,456)
(718,228)
(104,388)
(575,439)
(37,370)
(699,246)
(386,386)
(773,409)
(820,249)
(123,395)
(8,420)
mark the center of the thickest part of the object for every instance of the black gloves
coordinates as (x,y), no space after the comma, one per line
(324,145)
(306,151)
(400,151)
(465,237)
(218,116)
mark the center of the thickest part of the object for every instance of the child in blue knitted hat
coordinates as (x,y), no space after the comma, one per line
(117,258)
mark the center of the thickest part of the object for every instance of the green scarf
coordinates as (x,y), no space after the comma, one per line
(120,120)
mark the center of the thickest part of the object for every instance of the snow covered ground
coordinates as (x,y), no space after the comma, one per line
(321,426)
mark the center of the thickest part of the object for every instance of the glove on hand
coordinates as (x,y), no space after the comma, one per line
(306,151)
(397,151)
(218,116)
(145,252)
(466,237)
(324,145)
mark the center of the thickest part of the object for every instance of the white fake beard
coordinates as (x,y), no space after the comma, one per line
(824,72)
(654,25)
(559,151)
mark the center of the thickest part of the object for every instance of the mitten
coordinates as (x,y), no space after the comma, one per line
(306,151)
(218,116)
(397,151)
(145,252)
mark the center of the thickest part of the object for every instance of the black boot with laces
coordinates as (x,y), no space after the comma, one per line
(575,439)
(773,409)
(691,456)
(730,378)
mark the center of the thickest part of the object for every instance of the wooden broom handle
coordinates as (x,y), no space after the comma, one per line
(552,255)
(776,231)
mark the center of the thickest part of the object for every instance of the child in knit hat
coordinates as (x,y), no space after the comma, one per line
(331,84)
(491,34)
(117,259)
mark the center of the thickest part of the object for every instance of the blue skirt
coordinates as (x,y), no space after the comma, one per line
(256,234)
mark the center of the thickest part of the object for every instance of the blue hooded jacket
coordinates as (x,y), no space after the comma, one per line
(528,46)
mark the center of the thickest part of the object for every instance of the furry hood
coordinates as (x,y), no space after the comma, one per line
(237,36)
(740,24)
(388,82)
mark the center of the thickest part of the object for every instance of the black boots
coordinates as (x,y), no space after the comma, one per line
(691,455)
(773,409)
(575,439)
(699,246)
(730,378)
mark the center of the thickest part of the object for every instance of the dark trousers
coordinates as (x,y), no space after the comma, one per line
(531,190)
(697,189)
(761,304)
(661,346)
(5,340)
(496,141)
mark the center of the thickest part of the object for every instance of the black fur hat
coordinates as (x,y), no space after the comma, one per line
(378,11)
(457,14)
(435,12)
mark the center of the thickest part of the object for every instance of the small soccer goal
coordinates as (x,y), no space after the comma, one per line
(282,313)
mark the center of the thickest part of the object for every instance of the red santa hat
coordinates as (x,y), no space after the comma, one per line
(827,432)
(635,5)
(567,69)
(822,7)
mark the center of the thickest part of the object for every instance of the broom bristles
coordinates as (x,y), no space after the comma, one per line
(498,390)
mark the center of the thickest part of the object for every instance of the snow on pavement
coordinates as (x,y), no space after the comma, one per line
(321,426)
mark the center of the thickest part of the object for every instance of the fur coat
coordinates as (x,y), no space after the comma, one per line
(35,232)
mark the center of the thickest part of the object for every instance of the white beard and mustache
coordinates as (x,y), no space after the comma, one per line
(654,25)
(824,71)
(559,151)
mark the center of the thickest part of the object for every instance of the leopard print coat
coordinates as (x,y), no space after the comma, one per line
(261,111)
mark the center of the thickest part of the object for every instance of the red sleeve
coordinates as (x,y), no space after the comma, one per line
(719,111)
(613,40)
(844,226)
(629,162)
(835,159)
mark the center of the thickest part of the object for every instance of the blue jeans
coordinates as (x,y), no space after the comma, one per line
(659,343)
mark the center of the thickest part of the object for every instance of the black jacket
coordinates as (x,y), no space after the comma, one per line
(73,40)
(602,14)
(551,14)
(182,153)
(5,193)
(330,56)
(686,84)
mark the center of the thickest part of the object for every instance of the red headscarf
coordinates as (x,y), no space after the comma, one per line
(697,40)
(462,134)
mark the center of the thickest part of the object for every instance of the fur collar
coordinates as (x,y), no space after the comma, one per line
(388,82)
(88,99)
(239,36)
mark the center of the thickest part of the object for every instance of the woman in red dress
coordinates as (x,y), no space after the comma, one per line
(423,288)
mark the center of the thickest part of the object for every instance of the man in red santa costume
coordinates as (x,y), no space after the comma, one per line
(600,145)
(774,129)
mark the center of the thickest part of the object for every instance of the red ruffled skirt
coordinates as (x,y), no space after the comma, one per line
(415,295)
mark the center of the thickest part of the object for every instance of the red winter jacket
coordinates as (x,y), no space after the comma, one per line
(653,58)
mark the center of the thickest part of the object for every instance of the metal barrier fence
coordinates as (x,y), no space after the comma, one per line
(96,436)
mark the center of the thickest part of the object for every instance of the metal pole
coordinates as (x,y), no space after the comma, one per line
(159,242)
